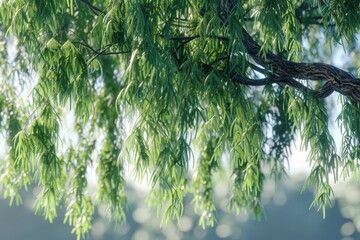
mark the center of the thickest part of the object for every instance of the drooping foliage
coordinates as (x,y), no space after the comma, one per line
(174,92)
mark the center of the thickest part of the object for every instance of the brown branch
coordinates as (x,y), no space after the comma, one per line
(335,78)
(288,72)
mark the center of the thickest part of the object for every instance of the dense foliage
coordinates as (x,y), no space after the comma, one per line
(174,91)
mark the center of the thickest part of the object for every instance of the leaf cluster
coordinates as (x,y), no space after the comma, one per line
(149,85)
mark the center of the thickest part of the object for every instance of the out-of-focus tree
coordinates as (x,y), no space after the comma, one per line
(153,83)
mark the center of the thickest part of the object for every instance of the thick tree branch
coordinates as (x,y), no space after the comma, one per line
(335,79)
(288,72)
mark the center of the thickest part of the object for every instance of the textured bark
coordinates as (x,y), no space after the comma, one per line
(282,71)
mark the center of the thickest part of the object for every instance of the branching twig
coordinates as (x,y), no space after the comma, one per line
(94,9)
(101,51)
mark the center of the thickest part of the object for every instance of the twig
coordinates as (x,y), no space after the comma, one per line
(101,51)
(324,92)
(94,9)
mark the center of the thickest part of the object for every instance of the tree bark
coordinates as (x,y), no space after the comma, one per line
(282,71)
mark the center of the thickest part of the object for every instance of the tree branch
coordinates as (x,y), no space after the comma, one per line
(335,79)
(94,9)
(101,51)
(324,92)
(288,72)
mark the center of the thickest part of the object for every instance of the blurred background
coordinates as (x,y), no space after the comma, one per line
(286,216)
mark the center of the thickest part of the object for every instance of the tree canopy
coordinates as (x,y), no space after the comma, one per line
(174,92)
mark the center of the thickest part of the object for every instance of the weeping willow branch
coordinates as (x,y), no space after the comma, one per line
(281,71)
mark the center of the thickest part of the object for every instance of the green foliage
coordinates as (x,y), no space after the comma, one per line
(150,85)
